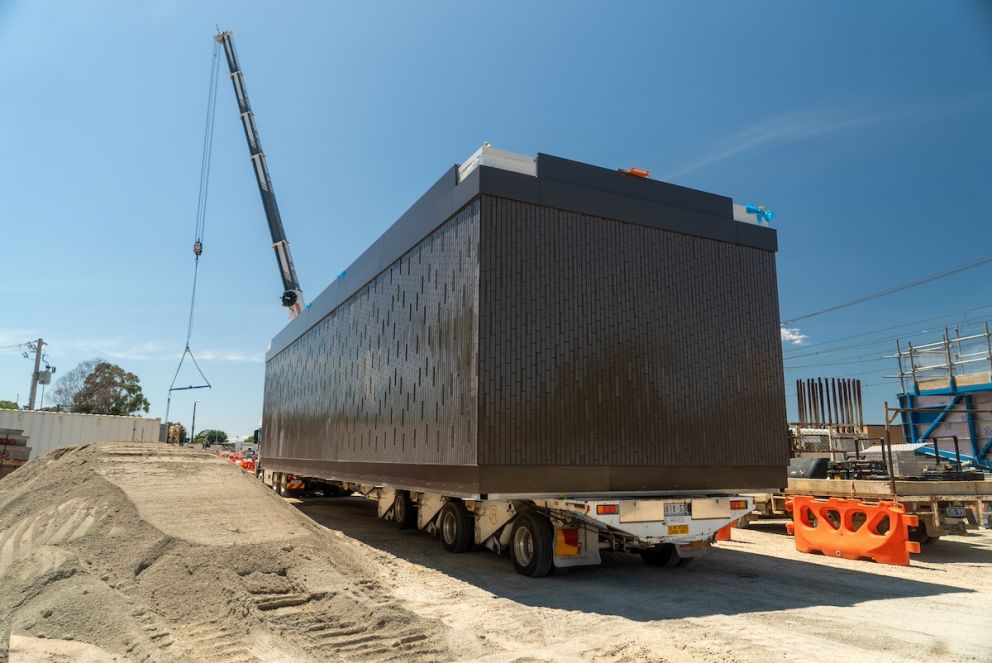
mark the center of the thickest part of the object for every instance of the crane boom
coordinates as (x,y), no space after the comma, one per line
(292,296)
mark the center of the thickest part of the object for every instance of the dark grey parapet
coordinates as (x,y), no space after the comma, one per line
(562,184)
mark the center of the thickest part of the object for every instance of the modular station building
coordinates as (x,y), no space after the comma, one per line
(539,326)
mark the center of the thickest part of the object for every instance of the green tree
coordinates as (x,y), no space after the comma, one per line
(109,389)
(209,437)
(63,394)
(9,405)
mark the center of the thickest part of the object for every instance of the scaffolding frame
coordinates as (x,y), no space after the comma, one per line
(951,367)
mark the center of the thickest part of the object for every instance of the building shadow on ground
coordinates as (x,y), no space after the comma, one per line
(724,582)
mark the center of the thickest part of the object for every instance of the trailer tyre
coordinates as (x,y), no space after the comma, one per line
(456,527)
(664,555)
(531,545)
(919,534)
(404,513)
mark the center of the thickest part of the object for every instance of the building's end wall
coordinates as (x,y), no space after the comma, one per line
(612,344)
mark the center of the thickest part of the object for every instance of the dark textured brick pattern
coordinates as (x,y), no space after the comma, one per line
(522,336)
(608,343)
(391,373)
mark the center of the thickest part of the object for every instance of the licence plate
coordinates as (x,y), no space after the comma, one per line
(955,512)
(674,509)
(677,529)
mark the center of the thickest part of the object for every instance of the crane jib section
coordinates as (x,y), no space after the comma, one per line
(292,295)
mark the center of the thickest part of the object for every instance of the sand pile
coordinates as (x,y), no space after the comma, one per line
(151,553)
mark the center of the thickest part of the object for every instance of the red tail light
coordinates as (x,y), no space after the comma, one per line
(607,509)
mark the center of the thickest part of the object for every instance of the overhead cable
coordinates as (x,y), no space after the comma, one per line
(973,309)
(890,291)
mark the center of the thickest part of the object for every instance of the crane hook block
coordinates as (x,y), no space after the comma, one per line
(197,248)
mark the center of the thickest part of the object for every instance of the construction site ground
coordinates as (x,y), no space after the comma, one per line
(152,553)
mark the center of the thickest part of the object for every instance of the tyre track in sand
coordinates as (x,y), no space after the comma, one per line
(153,553)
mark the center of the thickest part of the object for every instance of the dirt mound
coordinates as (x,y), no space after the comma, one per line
(152,553)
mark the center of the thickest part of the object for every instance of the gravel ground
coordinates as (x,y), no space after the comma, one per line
(751,599)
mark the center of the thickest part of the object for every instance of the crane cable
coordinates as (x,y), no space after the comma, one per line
(201,202)
(201,218)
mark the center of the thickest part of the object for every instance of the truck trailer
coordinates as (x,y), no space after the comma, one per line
(546,358)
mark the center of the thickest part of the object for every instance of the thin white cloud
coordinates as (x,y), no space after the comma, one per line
(236,357)
(793,335)
(785,128)
(120,349)
(803,124)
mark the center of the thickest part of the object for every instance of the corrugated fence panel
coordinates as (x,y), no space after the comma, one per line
(608,343)
(51,430)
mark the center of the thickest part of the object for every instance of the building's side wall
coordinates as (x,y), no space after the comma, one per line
(390,375)
(612,344)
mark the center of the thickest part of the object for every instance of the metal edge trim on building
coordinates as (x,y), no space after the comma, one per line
(561,183)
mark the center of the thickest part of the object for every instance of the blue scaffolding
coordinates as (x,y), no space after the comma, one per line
(952,376)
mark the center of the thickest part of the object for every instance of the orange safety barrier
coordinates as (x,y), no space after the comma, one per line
(247,464)
(852,529)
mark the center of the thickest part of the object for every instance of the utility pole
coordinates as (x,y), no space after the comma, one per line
(36,347)
(192,428)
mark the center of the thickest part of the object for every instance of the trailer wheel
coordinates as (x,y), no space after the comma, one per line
(531,544)
(664,555)
(456,527)
(404,513)
(919,534)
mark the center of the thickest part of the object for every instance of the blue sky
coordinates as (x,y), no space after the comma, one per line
(864,125)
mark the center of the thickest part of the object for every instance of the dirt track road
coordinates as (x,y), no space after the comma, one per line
(754,599)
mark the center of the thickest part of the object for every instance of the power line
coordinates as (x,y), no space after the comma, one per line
(890,328)
(898,288)
(862,359)
(853,346)
(848,375)
(878,341)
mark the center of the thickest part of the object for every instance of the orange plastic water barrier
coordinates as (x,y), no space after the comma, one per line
(852,529)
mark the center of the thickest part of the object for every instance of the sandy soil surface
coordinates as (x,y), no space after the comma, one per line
(133,552)
(26,649)
(151,553)
(752,599)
